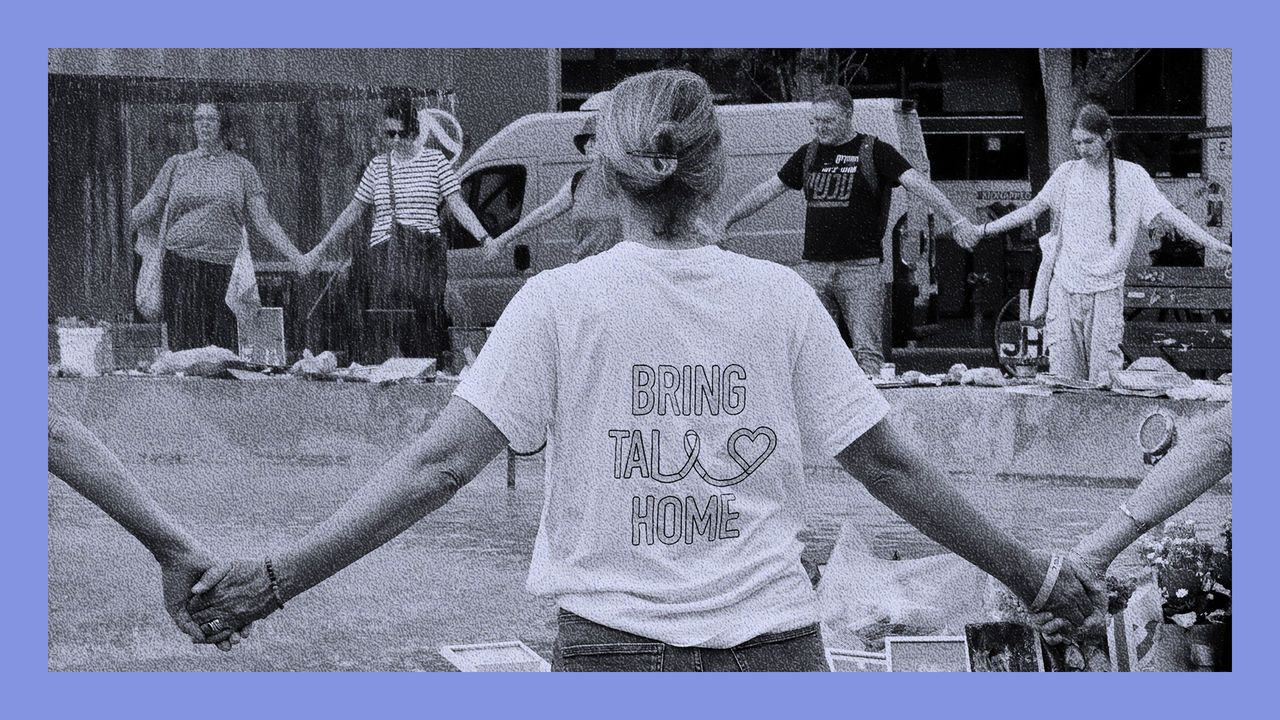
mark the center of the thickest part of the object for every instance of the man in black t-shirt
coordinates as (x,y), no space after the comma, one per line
(847,178)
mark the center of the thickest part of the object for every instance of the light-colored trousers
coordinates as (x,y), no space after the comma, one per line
(1084,332)
(855,289)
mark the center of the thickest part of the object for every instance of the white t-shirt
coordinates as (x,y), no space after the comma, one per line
(1079,195)
(674,390)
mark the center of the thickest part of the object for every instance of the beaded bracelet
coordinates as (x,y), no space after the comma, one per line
(275,585)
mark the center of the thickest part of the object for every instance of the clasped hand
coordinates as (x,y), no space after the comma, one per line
(966,234)
(1078,600)
(228,598)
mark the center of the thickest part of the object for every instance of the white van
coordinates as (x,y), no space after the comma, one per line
(522,166)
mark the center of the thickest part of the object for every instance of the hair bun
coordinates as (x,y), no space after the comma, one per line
(664,139)
(660,142)
(665,167)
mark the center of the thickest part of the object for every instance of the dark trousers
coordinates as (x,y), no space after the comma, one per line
(401,285)
(195,309)
(586,646)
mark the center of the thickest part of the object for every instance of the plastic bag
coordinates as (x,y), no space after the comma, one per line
(207,361)
(147,292)
(939,594)
(242,291)
(326,363)
(982,377)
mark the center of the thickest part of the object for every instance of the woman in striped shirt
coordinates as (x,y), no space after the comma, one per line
(399,276)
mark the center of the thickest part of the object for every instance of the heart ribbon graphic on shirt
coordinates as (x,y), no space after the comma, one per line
(771,443)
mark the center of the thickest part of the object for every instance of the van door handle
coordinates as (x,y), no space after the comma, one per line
(520,258)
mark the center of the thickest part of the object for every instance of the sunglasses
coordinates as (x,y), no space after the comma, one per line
(393,134)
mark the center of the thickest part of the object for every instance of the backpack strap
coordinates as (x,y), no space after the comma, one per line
(867,167)
(810,154)
(391,191)
(867,162)
(168,201)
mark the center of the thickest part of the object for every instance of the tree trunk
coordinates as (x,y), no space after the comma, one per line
(1060,102)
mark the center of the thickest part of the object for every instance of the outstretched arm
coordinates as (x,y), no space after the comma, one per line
(558,205)
(157,195)
(271,230)
(962,231)
(143,213)
(1023,215)
(886,460)
(1190,229)
(80,460)
(1193,466)
(761,195)
(916,182)
(346,220)
(419,479)
(463,214)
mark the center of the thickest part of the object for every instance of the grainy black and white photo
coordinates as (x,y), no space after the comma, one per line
(622,359)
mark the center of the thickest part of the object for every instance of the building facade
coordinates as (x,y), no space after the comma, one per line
(308,121)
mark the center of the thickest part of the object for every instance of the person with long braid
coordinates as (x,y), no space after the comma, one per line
(1099,205)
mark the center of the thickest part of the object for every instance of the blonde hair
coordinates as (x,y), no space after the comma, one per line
(659,141)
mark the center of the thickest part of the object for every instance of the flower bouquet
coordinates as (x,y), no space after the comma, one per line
(1194,578)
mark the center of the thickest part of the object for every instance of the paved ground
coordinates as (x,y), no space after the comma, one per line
(457,577)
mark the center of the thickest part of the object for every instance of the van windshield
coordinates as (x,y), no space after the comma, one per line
(496,196)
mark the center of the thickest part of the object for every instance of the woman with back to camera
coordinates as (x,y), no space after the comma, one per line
(674,385)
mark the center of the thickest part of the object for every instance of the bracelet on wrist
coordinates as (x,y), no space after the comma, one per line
(275,584)
(1050,579)
(1124,509)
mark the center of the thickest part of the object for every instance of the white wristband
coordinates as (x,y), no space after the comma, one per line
(1050,579)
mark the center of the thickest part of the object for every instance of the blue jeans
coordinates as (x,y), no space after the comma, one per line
(856,289)
(586,646)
